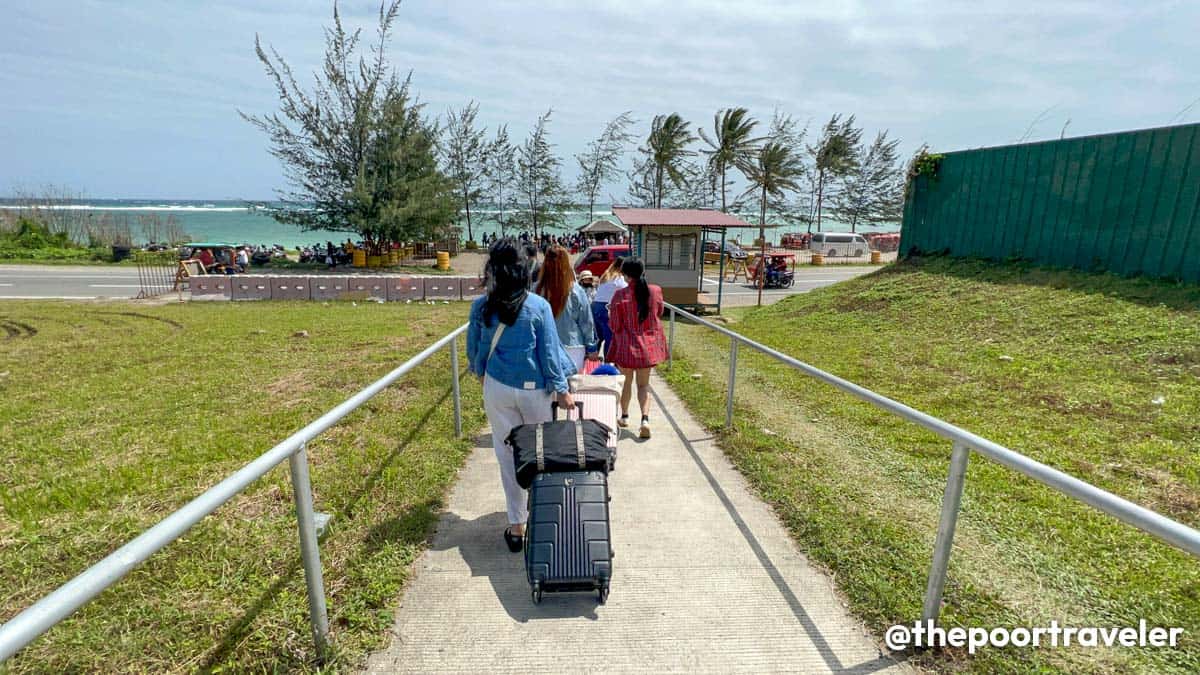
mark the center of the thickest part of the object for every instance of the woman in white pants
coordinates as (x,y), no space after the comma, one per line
(513,345)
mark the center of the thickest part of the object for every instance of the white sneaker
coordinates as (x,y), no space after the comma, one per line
(644,432)
(623,421)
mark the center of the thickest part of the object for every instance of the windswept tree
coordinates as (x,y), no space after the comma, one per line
(599,163)
(731,144)
(464,149)
(538,179)
(666,154)
(873,191)
(834,156)
(500,164)
(775,169)
(357,150)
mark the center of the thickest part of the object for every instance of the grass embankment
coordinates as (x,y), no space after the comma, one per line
(114,415)
(1064,367)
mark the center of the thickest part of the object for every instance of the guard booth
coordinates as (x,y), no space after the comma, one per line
(670,243)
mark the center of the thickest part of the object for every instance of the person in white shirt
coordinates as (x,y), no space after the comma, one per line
(610,282)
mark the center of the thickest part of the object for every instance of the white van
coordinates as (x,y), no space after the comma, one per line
(839,243)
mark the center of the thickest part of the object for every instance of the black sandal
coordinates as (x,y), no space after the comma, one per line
(514,541)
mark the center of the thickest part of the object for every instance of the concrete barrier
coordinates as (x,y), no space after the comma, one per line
(367,288)
(210,287)
(329,287)
(400,289)
(291,288)
(471,288)
(443,288)
(251,287)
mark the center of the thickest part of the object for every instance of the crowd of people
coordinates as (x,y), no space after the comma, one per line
(539,324)
(574,243)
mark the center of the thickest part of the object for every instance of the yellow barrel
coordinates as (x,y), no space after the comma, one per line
(818,259)
(374,261)
(358,258)
(443,260)
(394,256)
(876,257)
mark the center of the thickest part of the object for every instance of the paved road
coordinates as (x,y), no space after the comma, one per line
(75,282)
(807,278)
(87,282)
(705,579)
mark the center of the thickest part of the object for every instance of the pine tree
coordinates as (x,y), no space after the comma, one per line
(464,154)
(356,149)
(598,164)
(500,162)
(871,191)
(539,181)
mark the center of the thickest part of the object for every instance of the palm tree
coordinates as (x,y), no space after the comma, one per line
(774,169)
(731,142)
(666,149)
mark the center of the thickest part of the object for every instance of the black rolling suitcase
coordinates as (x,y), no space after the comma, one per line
(567,543)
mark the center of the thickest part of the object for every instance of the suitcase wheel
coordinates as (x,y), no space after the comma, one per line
(603,593)
(537,593)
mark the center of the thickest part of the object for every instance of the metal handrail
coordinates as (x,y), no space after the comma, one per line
(1171,531)
(23,628)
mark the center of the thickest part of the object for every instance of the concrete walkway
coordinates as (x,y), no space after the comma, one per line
(705,579)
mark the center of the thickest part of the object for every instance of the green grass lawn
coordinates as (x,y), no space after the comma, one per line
(1062,366)
(113,415)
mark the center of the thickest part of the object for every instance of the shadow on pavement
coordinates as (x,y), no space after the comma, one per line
(481,544)
(810,627)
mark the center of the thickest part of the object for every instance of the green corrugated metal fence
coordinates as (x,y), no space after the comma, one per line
(1124,202)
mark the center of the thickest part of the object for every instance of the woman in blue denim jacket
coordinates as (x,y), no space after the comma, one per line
(570,306)
(513,346)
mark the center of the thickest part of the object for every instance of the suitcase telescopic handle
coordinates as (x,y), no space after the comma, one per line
(554,409)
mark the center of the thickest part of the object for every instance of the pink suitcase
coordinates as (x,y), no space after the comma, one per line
(601,399)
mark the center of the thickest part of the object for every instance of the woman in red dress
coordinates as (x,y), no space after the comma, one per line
(638,343)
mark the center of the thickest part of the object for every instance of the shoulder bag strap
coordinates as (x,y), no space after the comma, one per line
(539,448)
(579,452)
(495,339)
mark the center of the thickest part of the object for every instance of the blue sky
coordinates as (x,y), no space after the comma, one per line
(139,99)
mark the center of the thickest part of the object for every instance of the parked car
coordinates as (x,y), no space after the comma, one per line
(839,243)
(732,250)
(596,259)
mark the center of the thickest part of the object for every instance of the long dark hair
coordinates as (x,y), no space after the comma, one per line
(633,268)
(507,278)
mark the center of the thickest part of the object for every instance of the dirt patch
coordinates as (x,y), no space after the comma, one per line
(291,389)
(1177,498)
(1089,409)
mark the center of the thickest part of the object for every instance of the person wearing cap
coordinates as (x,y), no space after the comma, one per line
(588,281)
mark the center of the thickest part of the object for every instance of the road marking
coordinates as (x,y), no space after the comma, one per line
(114,285)
(47,297)
(5,284)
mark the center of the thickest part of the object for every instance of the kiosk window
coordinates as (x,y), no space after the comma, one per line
(673,251)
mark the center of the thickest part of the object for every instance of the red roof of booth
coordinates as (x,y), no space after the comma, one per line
(677,217)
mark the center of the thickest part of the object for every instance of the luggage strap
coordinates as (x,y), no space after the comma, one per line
(539,448)
(579,452)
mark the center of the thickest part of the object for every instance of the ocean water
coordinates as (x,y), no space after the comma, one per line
(236,222)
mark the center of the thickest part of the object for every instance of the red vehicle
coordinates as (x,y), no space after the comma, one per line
(596,259)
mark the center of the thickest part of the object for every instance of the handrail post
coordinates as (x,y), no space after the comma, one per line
(310,553)
(733,349)
(951,501)
(454,381)
(671,340)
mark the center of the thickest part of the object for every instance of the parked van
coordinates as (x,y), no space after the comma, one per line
(839,243)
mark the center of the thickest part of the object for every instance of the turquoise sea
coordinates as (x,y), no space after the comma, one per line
(237,222)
